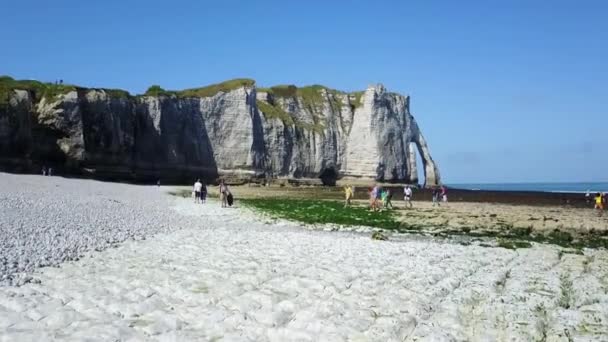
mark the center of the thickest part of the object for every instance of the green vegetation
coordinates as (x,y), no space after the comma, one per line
(214,89)
(117,93)
(271,111)
(311,96)
(282,90)
(156,90)
(321,212)
(38,89)
(49,91)
(527,235)
(513,244)
(355,99)
(316,127)
(275,112)
(330,211)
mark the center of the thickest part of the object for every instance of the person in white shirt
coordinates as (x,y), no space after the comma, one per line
(197,190)
(407,196)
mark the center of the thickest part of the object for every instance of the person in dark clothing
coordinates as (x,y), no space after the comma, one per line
(436,194)
(204,193)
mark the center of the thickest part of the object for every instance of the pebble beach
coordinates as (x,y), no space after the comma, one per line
(83,260)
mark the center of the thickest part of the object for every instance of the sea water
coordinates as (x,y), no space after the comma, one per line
(579,187)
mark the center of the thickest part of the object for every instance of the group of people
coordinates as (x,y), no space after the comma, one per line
(381,198)
(200,192)
(47,171)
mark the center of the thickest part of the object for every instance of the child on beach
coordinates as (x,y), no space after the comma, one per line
(348,195)
(599,203)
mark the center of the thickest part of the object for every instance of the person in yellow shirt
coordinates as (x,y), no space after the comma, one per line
(348,195)
(599,203)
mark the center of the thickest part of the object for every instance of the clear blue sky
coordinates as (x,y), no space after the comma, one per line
(505,91)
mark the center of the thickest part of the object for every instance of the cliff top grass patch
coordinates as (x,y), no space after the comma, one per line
(285,90)
(271,111)
(37,88)
(213,89)
(312,97)
(119,93)
(156,90)
(322,212)
(275,112)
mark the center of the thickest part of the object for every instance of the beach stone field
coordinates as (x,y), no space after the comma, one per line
(83,260)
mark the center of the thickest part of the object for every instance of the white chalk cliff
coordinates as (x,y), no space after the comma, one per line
(238,130)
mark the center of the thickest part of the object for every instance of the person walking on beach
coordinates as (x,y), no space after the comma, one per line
(204,193)
(444,194)
(44,170)
(599,203)
(373,198)
(435,195)
(588,196)
(407,196)
(370,194)
(387,195)
(377,200)
(348,195)
(197,190)
(223,194)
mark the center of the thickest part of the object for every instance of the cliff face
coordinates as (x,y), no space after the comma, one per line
(241,131)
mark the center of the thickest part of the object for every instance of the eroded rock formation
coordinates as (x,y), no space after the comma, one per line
(237,130)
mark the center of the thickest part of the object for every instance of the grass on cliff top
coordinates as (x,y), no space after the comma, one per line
(276,112)
(322,212)
(211,90)
(37,88)
(49,91)
(311,96)
(206,91)
(156,90)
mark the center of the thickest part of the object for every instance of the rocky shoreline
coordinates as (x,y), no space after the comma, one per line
(45,221)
